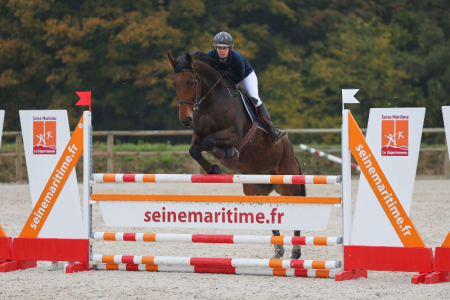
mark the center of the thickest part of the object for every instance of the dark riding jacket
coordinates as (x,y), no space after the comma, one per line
(237,65)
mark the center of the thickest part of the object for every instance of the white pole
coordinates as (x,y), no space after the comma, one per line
(2,118)
(327,156)
(346,184)
(87,170)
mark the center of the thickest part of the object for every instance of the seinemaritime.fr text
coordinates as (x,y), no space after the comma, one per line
(59,175)
(385,194)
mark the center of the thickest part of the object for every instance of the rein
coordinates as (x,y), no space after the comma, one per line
(196,102)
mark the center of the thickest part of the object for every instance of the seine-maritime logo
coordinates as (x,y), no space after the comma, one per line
(44,135)
(394,135)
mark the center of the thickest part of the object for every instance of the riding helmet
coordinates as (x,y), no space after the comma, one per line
(223,39)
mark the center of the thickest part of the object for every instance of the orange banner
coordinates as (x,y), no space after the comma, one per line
(55,184)
(381,187)
(446,242)
(2,232)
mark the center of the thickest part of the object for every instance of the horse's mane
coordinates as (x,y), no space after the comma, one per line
(197,54)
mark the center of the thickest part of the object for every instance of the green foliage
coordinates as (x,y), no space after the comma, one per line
(304,52)
(166,159)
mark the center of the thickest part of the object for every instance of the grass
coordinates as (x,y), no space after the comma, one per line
(430,163)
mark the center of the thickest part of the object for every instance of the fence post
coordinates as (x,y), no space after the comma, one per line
(110,160)
(196,167)
(19,157)
(446,161)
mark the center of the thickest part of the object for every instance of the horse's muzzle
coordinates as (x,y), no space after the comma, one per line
(187,121)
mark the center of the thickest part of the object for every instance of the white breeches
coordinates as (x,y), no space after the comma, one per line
(250,84)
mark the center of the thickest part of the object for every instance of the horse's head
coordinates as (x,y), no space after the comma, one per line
(185,84)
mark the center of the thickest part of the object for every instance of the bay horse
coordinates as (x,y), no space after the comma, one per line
(211,105)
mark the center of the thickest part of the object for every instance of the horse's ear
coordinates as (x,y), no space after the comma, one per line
(189,60)
(172,61)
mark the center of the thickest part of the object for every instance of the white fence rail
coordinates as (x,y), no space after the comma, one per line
(110,153)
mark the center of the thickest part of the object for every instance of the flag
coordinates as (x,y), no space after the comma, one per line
(348,96)
(85,99)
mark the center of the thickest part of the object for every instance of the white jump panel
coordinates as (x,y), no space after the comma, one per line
(267,216)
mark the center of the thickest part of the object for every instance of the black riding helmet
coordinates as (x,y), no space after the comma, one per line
(223,39)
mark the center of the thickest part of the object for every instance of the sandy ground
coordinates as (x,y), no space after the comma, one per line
(430,213)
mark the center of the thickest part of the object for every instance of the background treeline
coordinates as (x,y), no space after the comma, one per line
(396,51)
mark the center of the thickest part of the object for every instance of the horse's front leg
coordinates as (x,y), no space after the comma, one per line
(222,144)
(196,153)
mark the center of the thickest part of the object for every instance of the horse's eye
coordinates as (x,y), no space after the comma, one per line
(192,84)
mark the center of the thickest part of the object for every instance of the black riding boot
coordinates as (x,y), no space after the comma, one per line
(275,134)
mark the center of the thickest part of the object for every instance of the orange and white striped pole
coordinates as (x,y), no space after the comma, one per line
(217,238)
(216,262)
(311,273)
(193,178)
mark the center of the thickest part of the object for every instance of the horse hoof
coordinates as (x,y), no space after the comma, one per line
(279,252)
(231,153)
(215,170)
(296,253)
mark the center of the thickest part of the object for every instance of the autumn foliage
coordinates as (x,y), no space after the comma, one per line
(304,52)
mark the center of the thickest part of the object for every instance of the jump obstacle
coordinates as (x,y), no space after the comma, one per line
(268,267)
(413,256)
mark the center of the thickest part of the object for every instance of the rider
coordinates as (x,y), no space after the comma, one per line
(232,64)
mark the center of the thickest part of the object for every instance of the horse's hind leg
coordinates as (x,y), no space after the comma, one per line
(265,190)
(290,166)
(279,249)
(296,249)
(292,190)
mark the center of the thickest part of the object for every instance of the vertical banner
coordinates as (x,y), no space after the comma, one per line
(46,134)
(446,116)
(393,136)
(2,118)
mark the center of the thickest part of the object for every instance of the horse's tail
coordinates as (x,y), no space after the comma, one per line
(302,186)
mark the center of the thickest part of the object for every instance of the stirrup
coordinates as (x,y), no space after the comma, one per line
(277,134)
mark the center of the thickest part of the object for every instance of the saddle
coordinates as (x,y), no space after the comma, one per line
(251,103)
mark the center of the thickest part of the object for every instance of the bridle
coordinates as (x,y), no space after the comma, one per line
(196,102)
